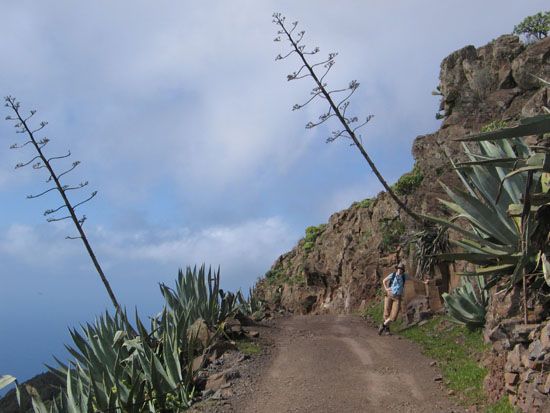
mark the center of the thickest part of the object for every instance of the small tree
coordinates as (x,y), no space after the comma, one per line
(338,100)
(536,26)
(41,161)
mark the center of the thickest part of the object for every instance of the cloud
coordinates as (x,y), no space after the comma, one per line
(246,243)
(244,250)
(37,246)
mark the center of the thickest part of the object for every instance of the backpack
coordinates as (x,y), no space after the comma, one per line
(393,275)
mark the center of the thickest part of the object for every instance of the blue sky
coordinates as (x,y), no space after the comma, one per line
(182,121)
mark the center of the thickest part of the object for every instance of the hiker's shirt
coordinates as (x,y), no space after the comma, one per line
(397,284)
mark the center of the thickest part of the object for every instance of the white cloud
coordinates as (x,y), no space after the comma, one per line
(38,246)
(248,241)
(243,251)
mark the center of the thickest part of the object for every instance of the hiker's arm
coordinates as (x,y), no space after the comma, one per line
(385,282)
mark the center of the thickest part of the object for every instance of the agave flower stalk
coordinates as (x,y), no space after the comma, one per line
(337,107)
(41,161)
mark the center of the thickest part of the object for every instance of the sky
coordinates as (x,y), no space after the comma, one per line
(182,121)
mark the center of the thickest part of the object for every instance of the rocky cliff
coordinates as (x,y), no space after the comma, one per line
(338,266)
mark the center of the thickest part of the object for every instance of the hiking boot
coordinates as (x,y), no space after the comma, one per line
(381,329)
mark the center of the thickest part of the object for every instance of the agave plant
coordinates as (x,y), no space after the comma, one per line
(114,370)
(252,306)
(496,179)
(467,306)
(198,298)
(119,367)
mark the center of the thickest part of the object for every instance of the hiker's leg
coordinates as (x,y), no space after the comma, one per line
(387,308)
(395,306)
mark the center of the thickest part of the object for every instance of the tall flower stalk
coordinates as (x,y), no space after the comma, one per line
(41,161)
(337,107)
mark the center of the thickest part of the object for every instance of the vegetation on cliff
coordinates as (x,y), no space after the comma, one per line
(312,233)
(535,27)
(409,182)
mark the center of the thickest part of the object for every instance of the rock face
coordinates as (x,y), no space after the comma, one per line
(341,267)
(338,267)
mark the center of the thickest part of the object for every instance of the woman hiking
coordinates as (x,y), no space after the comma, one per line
(393,287)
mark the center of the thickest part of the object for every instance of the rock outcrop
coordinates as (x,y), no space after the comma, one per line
(341,266)
(338,267)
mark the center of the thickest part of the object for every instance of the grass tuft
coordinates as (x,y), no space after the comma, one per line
(248,347)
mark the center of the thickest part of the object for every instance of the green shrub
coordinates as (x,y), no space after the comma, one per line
(248,347)
(275,275)
(366,203)
(534,27)
(494,125)
(298,279)
(408,183)
(311,235)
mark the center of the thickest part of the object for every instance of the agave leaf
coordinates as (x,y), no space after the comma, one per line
(531,126)
(546,268)
(171,359)
(119,336)
(543,81)
(476,258)
(6,380)
(18,395)
(464,232)
(515,210)
(518,270)
(464,307)
(545,182)
(521,170)
(480,215)
(494,269)
(72,404)
(493,162)
(497,253)
(37,403)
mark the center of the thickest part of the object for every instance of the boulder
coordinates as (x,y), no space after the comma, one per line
(233,327)
(533,61)
(199,331)
(218,348)
(221,380)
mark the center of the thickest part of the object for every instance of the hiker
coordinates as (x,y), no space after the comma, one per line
(394,285)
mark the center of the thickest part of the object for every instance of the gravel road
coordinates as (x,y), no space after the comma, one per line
(332,363)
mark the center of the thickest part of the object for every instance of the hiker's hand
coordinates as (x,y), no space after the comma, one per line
(388,290)
(427,281)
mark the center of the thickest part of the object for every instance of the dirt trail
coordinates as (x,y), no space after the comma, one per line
(339,364)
